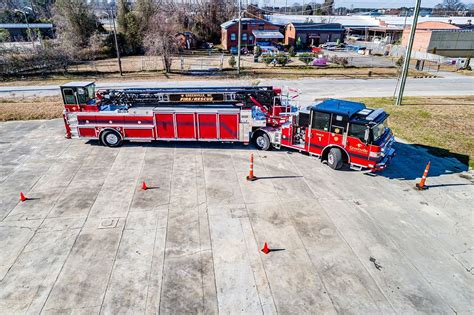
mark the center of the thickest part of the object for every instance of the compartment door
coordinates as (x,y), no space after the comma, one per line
(320,131)
(165,126)
(185,126)
(229,126)
(207,126)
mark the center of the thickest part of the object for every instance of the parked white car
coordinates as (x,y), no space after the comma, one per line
(354,37)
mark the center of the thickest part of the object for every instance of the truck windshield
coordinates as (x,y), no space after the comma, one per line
(379,130)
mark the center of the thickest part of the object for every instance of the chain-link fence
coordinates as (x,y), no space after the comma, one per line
(180,63)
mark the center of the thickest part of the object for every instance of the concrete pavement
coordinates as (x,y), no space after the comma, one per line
(311,87)
(91,241)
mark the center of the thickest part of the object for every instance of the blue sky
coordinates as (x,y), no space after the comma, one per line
(363,3)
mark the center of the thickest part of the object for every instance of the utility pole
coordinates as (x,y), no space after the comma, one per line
(406,63)
(239,41)
(116,43)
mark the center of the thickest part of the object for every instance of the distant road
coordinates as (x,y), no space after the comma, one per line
(311,88)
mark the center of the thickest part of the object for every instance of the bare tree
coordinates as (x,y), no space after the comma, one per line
(42,8)
(160,37)
(453,5)
(209,15)
(96,43)
(328,7)
(449,7)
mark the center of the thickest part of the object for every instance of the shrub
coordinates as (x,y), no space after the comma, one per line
(282,59)
(232,61)
(4,35)
(306,58)
(400,62)
(343,61)
(267,59)
(42,60)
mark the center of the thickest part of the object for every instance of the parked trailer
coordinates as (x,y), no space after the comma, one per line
(337,131)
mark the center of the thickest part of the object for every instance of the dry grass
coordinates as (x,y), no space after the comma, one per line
(467,72)
(150,68)
(444,123)
(31,108)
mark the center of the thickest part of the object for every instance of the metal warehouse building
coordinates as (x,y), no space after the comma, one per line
(441,38)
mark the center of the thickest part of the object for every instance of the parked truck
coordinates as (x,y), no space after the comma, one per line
(338,132)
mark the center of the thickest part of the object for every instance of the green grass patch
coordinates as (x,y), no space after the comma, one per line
(444,124)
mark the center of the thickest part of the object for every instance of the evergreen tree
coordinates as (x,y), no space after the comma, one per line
(129,27)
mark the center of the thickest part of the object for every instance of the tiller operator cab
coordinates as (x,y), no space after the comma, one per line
(79,96)
(348,132)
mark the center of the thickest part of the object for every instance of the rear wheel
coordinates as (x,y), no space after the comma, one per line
(111,138)
(335,158)
(262,141)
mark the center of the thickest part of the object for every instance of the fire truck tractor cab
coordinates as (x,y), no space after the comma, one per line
(342,132)
(337,131)
(79,96)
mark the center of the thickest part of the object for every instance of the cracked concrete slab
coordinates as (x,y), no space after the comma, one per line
(91,241)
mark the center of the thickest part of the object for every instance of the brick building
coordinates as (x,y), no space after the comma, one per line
(441,38)
(230,31)
(312,34)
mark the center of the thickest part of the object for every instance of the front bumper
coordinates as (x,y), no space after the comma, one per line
(385,162)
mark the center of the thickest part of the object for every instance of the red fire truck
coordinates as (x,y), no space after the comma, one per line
(337,131)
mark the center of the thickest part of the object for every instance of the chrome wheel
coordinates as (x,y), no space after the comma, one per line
(261,141)
(331,159)
(112,139)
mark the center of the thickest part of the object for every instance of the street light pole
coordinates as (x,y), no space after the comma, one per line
(239,42)
(406,63)
(28,28)
(116,43)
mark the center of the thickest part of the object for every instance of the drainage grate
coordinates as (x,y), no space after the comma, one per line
(108,223)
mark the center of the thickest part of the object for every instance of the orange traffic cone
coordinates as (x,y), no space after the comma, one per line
(421,184)
(251,177)
(22,197)
(144,186)
(265,248)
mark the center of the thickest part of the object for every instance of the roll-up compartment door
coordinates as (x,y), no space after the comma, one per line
(185,126)
(229,126)
(165,126)
(207,126)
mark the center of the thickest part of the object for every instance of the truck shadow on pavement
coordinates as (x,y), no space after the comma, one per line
(408,164)
(411,160)
(184,145)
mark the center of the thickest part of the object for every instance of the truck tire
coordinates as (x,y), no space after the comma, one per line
(262,141)
(335,158)
(111,138)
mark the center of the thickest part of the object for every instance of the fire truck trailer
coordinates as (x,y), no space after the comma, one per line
(337,131)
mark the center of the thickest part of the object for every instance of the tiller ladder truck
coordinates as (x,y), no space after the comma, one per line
(339,132)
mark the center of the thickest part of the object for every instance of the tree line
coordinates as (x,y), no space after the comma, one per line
(143,26)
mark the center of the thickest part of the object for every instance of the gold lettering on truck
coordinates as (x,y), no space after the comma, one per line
(196,98)
(358,149)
